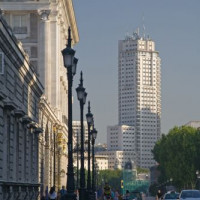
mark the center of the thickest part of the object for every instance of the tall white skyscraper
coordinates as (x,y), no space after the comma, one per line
(139,93)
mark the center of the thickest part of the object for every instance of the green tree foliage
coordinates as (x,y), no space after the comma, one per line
(113,177)
(142,170)
(178,155)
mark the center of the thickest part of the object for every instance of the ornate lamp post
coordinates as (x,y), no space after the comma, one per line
(89,117)
(70,63)
(54,156)
(81,94)
(77,155)
(94,136)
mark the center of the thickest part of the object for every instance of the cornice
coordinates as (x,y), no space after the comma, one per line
(21,6)
(9,104)
(67,13)
(19,113)
(72,21)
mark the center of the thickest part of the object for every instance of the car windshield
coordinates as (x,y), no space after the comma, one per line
(190,194)
(171,196)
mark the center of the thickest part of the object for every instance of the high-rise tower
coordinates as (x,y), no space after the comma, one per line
(139,93)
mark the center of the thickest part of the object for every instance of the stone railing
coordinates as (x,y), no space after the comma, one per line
(19,191)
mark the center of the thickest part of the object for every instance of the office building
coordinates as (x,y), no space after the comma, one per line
(139,93)
(77,132)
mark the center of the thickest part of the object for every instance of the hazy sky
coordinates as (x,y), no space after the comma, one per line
(174,25)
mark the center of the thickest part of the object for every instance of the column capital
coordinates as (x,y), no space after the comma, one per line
(44,14)
(54,15)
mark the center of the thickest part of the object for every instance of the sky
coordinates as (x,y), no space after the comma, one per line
(174,25)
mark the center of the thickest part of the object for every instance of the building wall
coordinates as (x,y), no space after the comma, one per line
(117,159)
(139,93)
(20,92)
(42,27)
(77,132)
(121,138)
(53,141)
(102,162)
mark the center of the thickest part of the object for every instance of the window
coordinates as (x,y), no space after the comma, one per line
(1,63)
(20,24)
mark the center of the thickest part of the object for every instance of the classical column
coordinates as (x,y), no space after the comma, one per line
(55,59)
(44,63)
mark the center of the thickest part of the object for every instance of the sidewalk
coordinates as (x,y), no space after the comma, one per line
(150,198)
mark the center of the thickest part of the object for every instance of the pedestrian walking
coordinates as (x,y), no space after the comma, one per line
(159,195)
(127,196)
(116,196)
(112,194)
(107,191)
(52,194)
(63,191)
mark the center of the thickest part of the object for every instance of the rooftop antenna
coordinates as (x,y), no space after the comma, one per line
(138,31)
(143,26)
(135,35)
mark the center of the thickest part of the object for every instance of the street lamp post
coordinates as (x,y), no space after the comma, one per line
(89,117)
(94,136)
(81,94)
(70,63)
(96,175)
(54,156)
(77,154)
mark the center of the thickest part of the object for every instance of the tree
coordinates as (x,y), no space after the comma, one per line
(178,155)
(142,170)
(113,177)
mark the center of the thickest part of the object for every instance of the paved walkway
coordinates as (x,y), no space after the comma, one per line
(150,198)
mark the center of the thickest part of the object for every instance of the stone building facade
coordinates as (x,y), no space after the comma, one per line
(20,92)
(42,26)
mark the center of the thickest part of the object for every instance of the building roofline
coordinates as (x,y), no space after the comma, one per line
(73,25)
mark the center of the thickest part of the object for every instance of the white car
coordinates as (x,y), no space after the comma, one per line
(189,195)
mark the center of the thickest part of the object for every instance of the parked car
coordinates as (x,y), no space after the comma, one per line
(190,195)
(171,195)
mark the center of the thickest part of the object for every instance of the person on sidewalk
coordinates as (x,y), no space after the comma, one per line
(63,191)
(159,195)
(107,191)
(52,194)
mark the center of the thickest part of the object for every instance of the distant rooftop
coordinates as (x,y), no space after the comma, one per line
(136,36)
(194,124)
